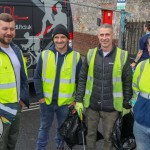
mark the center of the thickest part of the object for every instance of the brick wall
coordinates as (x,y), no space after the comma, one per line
(83,42)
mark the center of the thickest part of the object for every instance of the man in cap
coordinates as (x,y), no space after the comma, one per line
(55,81)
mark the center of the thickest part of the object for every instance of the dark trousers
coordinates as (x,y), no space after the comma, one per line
(10,134)
(92,121)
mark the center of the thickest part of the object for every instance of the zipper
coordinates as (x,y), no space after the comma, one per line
(102,82)
(100,102)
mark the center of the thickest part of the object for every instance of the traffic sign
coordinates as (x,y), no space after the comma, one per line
(121,4)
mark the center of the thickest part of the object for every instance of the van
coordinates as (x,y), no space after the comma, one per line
(35,21)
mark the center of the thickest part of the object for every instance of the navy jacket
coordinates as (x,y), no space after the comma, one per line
(38,74)
(142,111)
(24,87)
(143,46)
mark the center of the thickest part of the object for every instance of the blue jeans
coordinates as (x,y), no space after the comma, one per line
(46,120)
(142,136)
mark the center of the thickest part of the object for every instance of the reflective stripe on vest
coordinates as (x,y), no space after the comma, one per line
(145,95)
(8,109)
(121,57)
(67,77)
(8,85)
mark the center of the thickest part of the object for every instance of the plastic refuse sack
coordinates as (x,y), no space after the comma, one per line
(122,136)
(72,130)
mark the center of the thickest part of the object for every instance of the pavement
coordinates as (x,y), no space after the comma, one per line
(29,128)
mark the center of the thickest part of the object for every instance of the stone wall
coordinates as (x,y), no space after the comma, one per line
(84,17)
(139,9)
(86,12)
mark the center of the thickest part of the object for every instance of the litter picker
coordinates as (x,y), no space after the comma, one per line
(81,118)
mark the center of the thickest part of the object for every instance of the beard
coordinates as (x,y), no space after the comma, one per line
(6,41)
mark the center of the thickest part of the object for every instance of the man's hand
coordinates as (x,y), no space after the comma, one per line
(79,107)
(133,65)
(22,104)
(72,104)
(42,100)
(72,107)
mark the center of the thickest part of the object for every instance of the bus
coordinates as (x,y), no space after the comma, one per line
(35,21)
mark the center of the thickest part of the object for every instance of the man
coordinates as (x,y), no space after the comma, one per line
(143,50)
(14,92)
(55,82)
(104,87)
(141,88)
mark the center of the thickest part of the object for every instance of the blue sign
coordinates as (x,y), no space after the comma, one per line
(121,4)
(121,1)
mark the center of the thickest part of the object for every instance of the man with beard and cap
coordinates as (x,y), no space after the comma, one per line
(55,81)
(14,92)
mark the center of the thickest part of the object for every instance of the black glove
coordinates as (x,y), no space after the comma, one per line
(127,105)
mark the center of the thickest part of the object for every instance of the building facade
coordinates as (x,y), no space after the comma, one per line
(86,12)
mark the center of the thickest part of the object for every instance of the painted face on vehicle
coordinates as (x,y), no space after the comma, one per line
(105,36)
(7,32)
(61,42)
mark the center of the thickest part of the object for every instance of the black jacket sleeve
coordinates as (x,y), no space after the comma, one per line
(127,84)
(82,82)
(78,68)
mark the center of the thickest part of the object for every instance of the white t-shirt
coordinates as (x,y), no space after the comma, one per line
(16,64)
(105,53)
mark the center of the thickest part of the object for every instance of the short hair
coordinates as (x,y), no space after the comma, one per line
(147,24)
(6,17)
(106,25)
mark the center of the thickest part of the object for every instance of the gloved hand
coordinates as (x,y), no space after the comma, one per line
(127,105)
(79,108)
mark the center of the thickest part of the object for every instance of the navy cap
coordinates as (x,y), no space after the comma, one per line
(60,29)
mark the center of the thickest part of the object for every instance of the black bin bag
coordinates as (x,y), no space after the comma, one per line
(122,136)
(72,129)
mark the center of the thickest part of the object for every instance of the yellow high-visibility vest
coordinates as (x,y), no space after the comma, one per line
(141,80)
(8,87)
(67,86)
(120,60)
